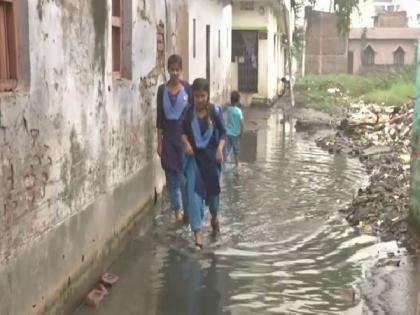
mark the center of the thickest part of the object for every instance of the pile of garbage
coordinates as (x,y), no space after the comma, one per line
(381,138)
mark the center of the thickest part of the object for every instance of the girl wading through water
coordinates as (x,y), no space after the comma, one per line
(204,139)
(172,102)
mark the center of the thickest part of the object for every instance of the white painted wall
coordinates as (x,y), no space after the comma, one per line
(219,17)
(249,20)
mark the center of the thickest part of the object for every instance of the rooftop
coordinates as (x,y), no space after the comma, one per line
(385,33)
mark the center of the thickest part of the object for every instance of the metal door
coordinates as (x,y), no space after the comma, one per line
(245,51)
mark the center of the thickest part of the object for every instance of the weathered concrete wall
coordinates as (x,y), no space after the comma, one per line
(77,147)
(384,51)
(325,50)
(217,14)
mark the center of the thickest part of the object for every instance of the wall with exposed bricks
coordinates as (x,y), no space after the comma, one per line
(325,50)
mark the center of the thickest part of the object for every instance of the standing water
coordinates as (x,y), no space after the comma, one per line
(284,247)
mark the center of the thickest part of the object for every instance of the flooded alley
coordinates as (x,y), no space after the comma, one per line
(284,247)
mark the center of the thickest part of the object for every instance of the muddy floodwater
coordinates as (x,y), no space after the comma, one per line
(284,247)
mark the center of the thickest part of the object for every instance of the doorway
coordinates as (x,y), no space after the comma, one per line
(245,52)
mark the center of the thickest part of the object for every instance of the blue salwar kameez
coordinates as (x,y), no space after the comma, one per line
(171,111)
(202,170)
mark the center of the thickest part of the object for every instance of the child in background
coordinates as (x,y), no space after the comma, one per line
(234,127)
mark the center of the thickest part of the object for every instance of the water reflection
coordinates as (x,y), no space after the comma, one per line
(262,136)
(190,288)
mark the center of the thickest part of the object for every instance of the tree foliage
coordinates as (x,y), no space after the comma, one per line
(344,10)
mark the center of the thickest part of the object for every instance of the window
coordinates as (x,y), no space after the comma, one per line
(219,48)
(8,51)
(194,37)
(368,58)
(116,36)
(399,56)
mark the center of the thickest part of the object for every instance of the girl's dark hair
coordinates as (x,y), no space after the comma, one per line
(175,59)
(201,84)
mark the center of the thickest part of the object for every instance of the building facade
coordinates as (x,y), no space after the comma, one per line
(78,85)
(368,9)
(210,27)
(381,48)
(259,48)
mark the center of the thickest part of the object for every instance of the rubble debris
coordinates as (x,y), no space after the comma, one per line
(109,279)
(309,119)
(380,138)
(384,262)
(94,298)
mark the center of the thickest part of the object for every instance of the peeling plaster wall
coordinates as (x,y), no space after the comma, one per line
(218,15)
(77,148)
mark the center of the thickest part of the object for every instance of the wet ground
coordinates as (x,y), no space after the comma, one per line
(284,247)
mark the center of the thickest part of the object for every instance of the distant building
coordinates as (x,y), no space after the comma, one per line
(369,9)
(325,50)
(259,41)
(390,44)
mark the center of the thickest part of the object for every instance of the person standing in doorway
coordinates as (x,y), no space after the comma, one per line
(204,139)
(173,98)
(234,127)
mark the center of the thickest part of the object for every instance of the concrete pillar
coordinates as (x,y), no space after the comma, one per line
(415,155)
(415,169)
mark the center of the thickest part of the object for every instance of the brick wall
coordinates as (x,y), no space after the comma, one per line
(326,50)
(391,19)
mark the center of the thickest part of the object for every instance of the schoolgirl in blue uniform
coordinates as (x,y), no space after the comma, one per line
(173,98)
(204,139)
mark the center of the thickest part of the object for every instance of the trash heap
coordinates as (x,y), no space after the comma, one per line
(381,138)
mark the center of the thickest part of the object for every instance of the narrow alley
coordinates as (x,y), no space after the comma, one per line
(284,247)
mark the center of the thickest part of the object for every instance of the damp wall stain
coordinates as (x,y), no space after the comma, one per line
(99,12)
